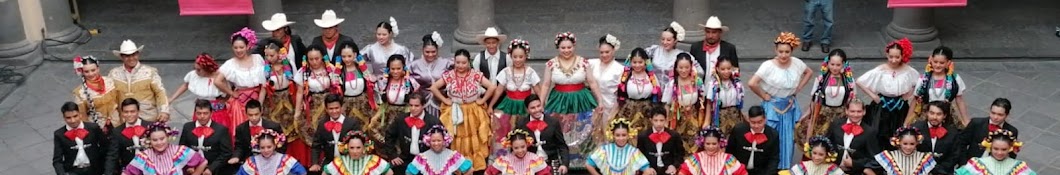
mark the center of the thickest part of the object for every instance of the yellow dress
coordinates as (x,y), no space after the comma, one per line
(105,104)
(469,121)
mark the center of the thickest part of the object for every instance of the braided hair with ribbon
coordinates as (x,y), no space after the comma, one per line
(437,129)
(1003,136)
(896,141)
(825,80)
(515,135)
(822,142)
(277,139)
(950,85)
(79,64)
(676,92)
(627,72)
(734,80)
(368,144)
(171,134)
(703,134)
(620,123)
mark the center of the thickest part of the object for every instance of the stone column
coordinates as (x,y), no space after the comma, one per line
(61,31)
(473,17)
(263,10)
(917,24)
(691,13)
(15,48)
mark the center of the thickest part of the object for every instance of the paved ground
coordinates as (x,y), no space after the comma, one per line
(30,114)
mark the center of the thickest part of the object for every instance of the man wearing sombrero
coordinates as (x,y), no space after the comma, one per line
(712,47)
(330,37)
(292,48)
(140,82)
(492,60)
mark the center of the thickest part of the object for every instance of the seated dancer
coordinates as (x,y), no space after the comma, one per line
(821,152)
(712,159)
(618,157)
(754,144)
(161,157)
(940,137)
(547,132)
(77,147)
(252,127)
(856,139)
(1001,144)
(329,132)
(403,134)
(905,159)
(440,160)
(519,161)
(661,145)
(357,157)
(209,138)
(267,160)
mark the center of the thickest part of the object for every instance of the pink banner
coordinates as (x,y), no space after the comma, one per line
(926,3)
(215,7)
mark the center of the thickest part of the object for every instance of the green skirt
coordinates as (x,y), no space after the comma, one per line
(512,106)
(570,102)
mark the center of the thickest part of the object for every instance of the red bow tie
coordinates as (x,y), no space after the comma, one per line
(537,125)
(130,132)
(659,137)
(254,130)
(202,131)
(414,122)
(79,133)
(333,126)
(852,128)
(994,127)
(937,132)
(755,137)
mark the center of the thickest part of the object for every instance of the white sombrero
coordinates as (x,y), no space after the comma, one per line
(491,33)
(714,23)
(328,19)
(277,21)
(127,47)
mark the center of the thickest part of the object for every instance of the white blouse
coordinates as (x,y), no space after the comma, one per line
(779,82)
(318,82)
(352,85)
(727,94)
(834,93)
(891,83)
(518,81)
(377,55)
(202,87)
(395,94)
(279,80)
(684,98)
(937,91)
(639,86)
(664,62)
(607,78)
(576,77)
(245,77)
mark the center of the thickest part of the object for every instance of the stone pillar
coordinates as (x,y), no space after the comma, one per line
(691,13)
(15,48)
(263,10)
(473,17)
(61,31)
(917,24)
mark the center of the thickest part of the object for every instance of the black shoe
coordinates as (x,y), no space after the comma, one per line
(807,46)
(825,49)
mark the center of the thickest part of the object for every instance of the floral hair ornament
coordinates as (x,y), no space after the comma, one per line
(612,40)
(988,141)
(277,139)
(679,30)
(79,63)
(369,145)
(620,122)
(448,138)
(567,35)
(171,134)
(900,132)
(787,38)
(393,24)
(701,136)
(519,43)
(252,39)
(905,46)
(829,148)
(206,62)
(516,134)
(437,38)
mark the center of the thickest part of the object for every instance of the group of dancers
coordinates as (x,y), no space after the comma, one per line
(280,107)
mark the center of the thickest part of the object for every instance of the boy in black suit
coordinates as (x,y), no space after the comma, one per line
(547,132)
(329,131)
(404,135)
(254,125)
(125,139)
(662,146)
(754,144)
(979,128)
(77,144)
(857,140)
(209,138)
(940,138)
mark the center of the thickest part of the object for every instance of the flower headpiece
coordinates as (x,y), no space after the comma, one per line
(565,35)
(519,43)
(157,126)
(448,138)
(437,38)
(679,30)
(206,62)
(517,134)
(617,123)
(79,63)
(988,141)
(252,39)
(829,148)
(897,139)
(612,40)
(393,24)
(369,145)
(278,139)
(787,38)
(701,136)
(906,47)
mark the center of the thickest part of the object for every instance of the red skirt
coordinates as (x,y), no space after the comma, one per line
(298,149)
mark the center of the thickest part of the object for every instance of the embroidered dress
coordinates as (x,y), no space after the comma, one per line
(171,161)
(611,159)
(684,103)
(947,89)
(395,102)
(720,163)
(317,84)
(358,97)
(142,83)
(890,85)
(832,96)
(727,98)
(664,61)
(895,162)
(512,165)
(277,164)
(247,82)
(465,118)
(810,168)
(427,73)
(366,165)
(636,93)
(279,102)
(104,97)
(446,162)
(517,86)
(989,166)
(571,96)
(377,56)
(783,110)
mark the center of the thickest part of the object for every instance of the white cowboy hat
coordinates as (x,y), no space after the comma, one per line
(491,33)
(328,19)
(277,21)
(714,23)
(127,47)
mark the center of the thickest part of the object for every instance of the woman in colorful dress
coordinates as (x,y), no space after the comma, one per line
(725,95)
(664,55)
(463,111)
(395,88)
(905,159)
(638,89)
(96,97)
(608,73)
(280,98)
(571,93)
(161,157)
(712,158)
(430,69)
(683,94)
(822,154)
(514,83)
(357,158)
(939,83)
(891,87)
(1000,143)
(356,89)
(267,160)
(378,54)
(776,82)
(201,82)
(242,71)
(618,157)
(831,91)
(520,161)
(316,80)
(440,160)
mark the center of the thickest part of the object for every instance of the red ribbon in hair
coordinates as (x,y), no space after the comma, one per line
(206,62)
